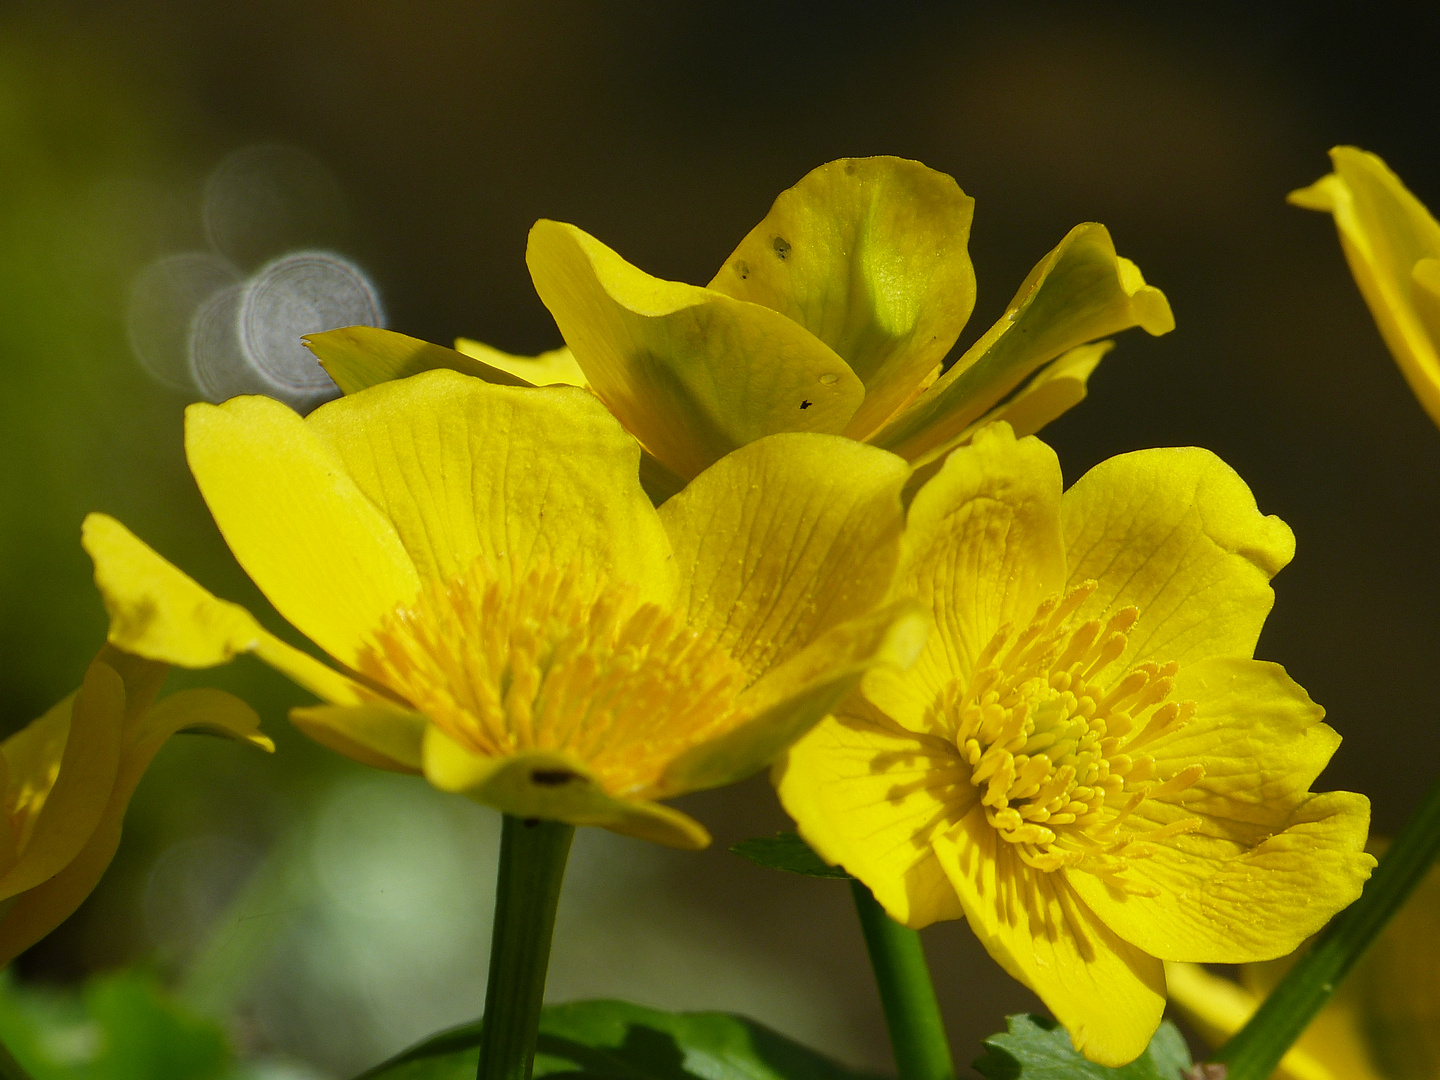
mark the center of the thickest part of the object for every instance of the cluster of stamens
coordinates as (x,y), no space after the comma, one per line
(1057,750)
(546,661)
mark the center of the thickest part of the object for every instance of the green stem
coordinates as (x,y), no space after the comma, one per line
(917,1033)
(1258,1047)
(527,891)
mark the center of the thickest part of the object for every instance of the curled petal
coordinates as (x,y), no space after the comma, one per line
(691,372)
(1081,291)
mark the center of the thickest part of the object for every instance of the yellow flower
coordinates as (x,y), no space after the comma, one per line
(1382,1024)
(1085,762)
(833,316)
(1393,246)
(508,613)
(68,778)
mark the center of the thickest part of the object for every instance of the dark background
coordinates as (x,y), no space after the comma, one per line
(666,130)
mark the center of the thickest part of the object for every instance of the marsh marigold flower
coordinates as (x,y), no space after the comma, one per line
(1392,243)
(833,315)
(1085,761)
(1383,1022)
(509,614)
(68,778)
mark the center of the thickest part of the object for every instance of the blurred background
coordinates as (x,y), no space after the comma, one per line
(256,170)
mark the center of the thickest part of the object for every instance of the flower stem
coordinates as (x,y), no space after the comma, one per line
(917,1034)
(527,892)
(1258,1047)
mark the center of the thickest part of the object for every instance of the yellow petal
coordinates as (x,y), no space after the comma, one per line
(358,357)
(305,533)
(377,734)
(1054,390)
(462,470)
(79,774)
(869,255)
(543,784)
(982,548)
(784,539)
(1387,234)
(1107,993)
(554,368)
(793,696)
(1081,291)
(158,613)
(868,795)
(693,373)
(1270,862)
(36,912)
(1177,534)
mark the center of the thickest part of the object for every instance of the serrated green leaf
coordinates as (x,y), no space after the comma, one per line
(1037,1048)
(786,851)
(621,1041)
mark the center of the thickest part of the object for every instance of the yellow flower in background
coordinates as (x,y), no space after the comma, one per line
(1085,761)
(1383,1022)
(1393,246)
(68,778)
(833,315)
(509,614)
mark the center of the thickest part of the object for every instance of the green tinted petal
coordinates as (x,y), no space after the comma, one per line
(539,783)
(869,255)
(554,368)
(691,372)
(357,357)
(1079,292)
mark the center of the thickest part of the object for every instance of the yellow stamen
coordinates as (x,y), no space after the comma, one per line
(549,663)
(1053,744)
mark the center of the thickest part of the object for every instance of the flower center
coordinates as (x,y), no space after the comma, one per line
(1056,746)
(545,662)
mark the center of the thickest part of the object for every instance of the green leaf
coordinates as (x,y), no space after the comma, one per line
(121,1027)
(786,851)
(1037,1048)
(621,1041)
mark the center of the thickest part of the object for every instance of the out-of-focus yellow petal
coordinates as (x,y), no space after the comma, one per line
(868,795)
(554,368)
(1391,242)
(463,471)
(66,793)
(358,357)
(693,373)
(869,255)
(377,734)
(159,613)
(1107,993)
(1176,533)
(1053,391)
(784,539)
(1081,291)
(1218,1008)
(543,784)
(796,694)
(982,547)
(303,530)
(1395,992)
(1270,862)
(36,912)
